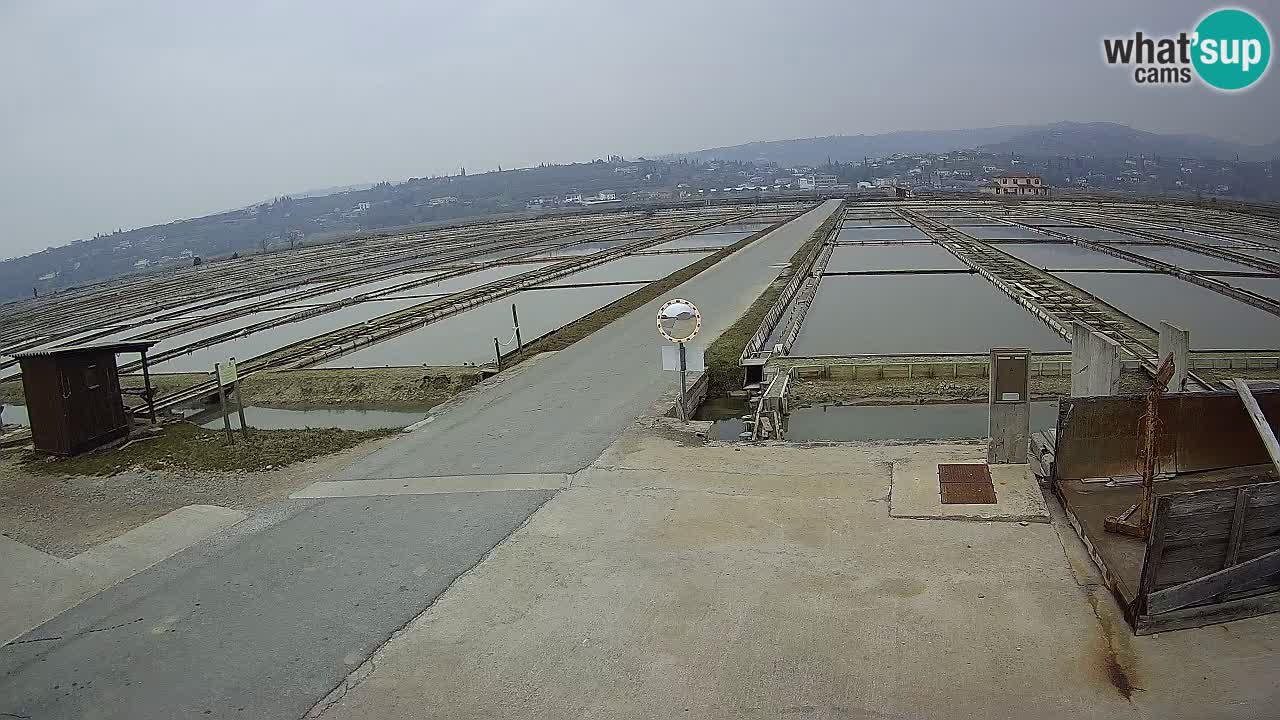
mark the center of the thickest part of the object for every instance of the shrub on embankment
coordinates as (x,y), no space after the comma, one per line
(722,356)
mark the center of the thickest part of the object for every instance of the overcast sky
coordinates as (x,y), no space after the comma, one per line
(136,112)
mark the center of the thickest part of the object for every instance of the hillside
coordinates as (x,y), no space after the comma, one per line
(1058,139)
(846,148)
(279,223)
(1112,140)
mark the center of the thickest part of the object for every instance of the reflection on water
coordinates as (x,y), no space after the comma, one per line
(902,314)
(904,256)
(1065,256)
(1215,320)
(950,421)
(14,415)
(468,337)
(727,414)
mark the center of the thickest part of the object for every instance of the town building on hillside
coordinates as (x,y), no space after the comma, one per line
(1018,184)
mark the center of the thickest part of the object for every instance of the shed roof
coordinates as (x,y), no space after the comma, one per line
(130,346)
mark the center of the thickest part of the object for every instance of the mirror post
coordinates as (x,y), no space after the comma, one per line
(683,384)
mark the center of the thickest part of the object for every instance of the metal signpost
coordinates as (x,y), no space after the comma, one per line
(679,321)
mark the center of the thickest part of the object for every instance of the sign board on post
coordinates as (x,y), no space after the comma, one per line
(695,358)
(227,372)
(228,376)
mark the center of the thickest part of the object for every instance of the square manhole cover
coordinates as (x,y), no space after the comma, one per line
(966,484)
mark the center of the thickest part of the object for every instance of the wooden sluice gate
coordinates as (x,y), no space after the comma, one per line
(1198,542)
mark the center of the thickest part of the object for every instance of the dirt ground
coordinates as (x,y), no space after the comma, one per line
(420,386)
(65,515)
(64,507)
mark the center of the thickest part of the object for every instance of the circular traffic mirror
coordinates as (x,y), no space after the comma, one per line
(679,320)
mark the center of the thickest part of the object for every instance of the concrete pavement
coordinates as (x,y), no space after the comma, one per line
(36,586)
(265,627)
(772,582)
(266,619)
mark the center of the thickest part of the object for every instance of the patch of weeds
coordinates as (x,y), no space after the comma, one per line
(186,447)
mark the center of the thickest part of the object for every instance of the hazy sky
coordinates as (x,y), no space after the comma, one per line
(136,112)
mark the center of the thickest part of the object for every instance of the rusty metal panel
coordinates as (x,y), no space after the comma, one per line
(968,494)
(966,484)
(1214,431)
(1098,437)
(964,473)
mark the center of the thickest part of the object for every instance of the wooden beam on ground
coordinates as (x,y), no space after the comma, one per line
(1204,588)
(1259,421)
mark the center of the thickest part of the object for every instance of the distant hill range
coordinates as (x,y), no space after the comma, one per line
(327,213)
(1059,139)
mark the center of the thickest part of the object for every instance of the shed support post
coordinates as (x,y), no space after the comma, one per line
(146,385)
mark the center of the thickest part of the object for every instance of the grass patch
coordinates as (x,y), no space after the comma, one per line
(584,326)
(417,387)
(722,356)
(186,447)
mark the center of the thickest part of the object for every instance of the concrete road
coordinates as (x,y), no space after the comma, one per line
(264,627)
(264,621)
(674,580)
(563,412)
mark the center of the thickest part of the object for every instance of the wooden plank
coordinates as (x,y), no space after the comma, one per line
(1218,525)
(1237,532)
(1223,499)
(1155,548)
(1208,525)
(1184,550)
(1206,587)
(1217,548)
(1173,574)
(1207,614)
(1259,421)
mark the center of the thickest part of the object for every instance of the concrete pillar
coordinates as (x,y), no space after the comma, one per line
(1104,365)
(1080,334)
(1009,404)
(1095,363)
(1177,342)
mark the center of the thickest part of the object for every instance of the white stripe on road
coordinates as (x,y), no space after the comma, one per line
(433,485)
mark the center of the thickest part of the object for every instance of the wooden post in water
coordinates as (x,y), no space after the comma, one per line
(515,320)
(497,353)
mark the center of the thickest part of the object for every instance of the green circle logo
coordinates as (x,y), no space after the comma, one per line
(1232,49)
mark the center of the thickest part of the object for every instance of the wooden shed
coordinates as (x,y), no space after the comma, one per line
(74,401)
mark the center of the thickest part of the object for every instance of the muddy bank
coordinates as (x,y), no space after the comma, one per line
(918,390)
